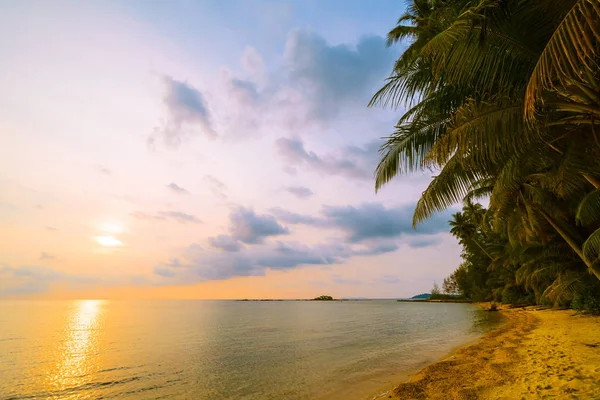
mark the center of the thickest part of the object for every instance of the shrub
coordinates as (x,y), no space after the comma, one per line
(527,300)
(510,295)
(324,297)
(578,303)
(446,297)
(544,301)
(587,302)
(592,304)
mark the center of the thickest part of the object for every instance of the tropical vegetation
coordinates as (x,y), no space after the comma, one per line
(501,101)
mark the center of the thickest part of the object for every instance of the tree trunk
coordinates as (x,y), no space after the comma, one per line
(482,249)
(592,180)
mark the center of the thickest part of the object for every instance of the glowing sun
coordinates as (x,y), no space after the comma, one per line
(108,241)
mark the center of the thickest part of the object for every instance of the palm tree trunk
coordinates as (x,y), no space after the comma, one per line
(592,180)
(571,242)
(482,249)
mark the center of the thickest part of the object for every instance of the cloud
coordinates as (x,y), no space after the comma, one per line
(225,243)
(51,228)
(316,82)
(292,217)
(290,255)
(253,62)
(290,170)
(245,92)
(216,186)
(253,261)
(424,241)
(143,215)
(251,228)
(299,191)
(174,263)
(177,189)
(377,250)
(353,162)
(331,76)
(46,256)
(372,221)
(177,216)
(38,279)
(186,113)
(200,265)
(164,272)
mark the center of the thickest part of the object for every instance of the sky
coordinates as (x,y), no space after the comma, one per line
(204,149)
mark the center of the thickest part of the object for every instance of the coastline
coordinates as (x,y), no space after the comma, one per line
(535,353)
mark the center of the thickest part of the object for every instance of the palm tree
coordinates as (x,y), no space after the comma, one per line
(467,230)
(504,101)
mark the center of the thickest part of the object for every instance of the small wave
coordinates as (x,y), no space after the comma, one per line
(77,389)
(115,369)
(11,338)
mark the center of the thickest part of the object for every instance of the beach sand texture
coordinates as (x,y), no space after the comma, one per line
(536,354)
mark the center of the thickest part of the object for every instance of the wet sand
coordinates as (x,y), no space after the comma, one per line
(535,354)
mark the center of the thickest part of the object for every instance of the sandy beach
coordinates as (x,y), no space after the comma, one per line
(536,354)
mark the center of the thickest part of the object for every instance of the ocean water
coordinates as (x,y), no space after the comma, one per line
(223,349)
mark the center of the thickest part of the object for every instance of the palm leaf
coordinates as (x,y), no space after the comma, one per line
(565,287)
(588,211)
(493,127)
(406,150)
(571,54)
(591,247)
(449,187)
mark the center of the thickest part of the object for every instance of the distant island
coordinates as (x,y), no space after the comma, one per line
(422,296)
(323,298)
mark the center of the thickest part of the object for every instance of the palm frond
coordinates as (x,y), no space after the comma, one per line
(588,211)
(571,54)
(447,188)
(565,287)
(494,128)
(591,247)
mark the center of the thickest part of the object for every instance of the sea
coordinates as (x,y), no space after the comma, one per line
(242,350)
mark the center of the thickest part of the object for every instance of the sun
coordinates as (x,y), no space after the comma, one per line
(108,241)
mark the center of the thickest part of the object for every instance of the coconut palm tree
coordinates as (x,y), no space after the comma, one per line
(504,102)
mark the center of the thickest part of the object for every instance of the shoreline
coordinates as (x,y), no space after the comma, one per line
(535,353)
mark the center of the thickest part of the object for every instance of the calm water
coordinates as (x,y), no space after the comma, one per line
(222,349)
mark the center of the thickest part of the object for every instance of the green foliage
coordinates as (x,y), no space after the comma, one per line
(592,305)
(451,297)
(323,298)
(503,102)
(422,296)
(510,295)
(588,302)
(578,303)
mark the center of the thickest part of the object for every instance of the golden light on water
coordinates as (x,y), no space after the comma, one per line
(79,354)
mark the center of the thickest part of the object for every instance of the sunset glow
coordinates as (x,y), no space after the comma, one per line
(108,241)
(160,155)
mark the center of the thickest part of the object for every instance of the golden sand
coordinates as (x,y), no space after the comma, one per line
(536,354)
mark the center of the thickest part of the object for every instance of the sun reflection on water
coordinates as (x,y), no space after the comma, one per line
(79,353)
